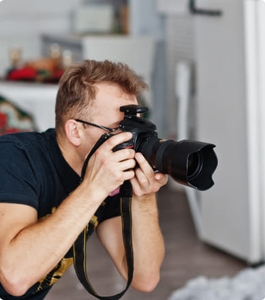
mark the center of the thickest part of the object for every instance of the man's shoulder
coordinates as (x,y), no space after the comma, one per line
(25,139)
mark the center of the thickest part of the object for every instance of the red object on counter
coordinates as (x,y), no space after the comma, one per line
(25,73)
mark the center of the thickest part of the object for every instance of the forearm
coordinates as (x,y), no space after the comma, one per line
(34,250)
(148,242)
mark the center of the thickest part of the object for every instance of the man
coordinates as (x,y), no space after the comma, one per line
(43,205)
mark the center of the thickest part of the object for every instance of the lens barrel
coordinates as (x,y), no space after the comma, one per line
(188,162)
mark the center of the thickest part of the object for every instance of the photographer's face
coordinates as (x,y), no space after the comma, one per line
(106,109)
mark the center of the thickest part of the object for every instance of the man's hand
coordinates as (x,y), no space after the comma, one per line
(147,238)
(108,169)
(146,181)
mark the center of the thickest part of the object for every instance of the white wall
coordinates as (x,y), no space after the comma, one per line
(22,22)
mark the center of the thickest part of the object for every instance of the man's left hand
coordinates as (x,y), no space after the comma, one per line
(146,181)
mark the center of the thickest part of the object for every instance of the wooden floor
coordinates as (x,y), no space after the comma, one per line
(186,258)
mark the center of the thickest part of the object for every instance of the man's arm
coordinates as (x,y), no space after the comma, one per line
(29,248)
(148,243)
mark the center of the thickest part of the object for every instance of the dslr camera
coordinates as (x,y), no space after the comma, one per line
(188,162)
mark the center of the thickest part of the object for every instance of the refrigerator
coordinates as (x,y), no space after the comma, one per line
(230,112)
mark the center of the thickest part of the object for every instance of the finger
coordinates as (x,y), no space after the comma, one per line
(124,154)
(161,178)
(137,190)
(127,164)
(144,165)
(128,175)
(141,177)
(116,139)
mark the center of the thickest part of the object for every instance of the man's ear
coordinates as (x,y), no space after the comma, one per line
(73,132)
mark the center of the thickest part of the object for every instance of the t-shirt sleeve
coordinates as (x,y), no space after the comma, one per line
(18,183)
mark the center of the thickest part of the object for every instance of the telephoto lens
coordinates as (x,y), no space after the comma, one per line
(188,162)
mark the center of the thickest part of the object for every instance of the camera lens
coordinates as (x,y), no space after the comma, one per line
(189,162)
(194,164)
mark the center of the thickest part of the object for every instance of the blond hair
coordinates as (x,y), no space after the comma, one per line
(77,87)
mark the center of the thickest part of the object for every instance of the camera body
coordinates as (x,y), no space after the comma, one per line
(188,162)
(141,129)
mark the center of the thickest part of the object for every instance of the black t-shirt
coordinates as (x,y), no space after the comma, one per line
(34,172)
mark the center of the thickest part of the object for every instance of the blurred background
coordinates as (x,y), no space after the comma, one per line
(204,61)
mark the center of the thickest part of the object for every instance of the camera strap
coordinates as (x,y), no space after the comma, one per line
(79,247)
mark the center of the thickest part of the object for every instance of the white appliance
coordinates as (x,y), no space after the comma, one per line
(230,64)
